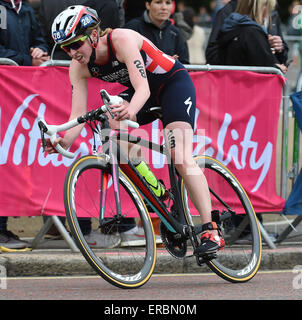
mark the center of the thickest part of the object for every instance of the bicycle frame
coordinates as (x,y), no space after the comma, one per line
(177,226)
(121,160)
(174,225)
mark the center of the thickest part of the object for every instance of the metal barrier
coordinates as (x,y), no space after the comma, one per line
(57,63)
(8,62)
(285,120)
(284,107)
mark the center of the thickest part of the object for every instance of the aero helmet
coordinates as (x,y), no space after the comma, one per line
(72,22)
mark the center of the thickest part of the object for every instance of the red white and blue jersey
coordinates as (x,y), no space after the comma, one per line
(156,62)
(170,84)
(158,66)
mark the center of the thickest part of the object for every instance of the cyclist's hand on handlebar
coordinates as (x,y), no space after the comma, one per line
(122,112)
(50,148)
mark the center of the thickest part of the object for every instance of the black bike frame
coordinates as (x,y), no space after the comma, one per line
(119,159)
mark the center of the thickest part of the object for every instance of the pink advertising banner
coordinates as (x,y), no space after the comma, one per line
(237,112)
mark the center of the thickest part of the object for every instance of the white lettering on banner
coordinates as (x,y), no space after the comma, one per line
(203,144)
(10,132)
(19,119)
(244,151)
(246,144)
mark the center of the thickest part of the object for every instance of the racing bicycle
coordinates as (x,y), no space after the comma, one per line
(105,188)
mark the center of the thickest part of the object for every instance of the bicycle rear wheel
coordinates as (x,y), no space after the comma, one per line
(86,204)
(239,261)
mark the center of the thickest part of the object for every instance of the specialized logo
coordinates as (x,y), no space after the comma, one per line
(188,102)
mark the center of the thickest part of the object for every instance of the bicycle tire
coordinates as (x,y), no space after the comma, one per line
(129,267)
(239,261)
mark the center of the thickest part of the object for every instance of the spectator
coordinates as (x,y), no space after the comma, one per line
(204,19)
(133,9)
(243,40)
(216,5)
(293,28)
(9,239)
(178,20)
(49,9)
(121,12)
(181,5)
(108,12)
(35,4)
(197,40)
(21,39)
(273,29)
(155,25)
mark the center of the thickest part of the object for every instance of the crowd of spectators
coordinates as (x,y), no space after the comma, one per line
(194,26)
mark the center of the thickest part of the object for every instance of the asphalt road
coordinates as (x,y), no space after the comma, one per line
(274,285)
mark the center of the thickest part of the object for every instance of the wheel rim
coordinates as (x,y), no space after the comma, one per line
(240,259)
(124,267)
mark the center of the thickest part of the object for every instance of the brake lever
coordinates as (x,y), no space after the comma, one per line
(106,100)
(43,129)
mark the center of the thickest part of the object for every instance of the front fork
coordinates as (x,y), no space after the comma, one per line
(105,221)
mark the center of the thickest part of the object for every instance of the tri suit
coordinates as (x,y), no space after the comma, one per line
(170,85)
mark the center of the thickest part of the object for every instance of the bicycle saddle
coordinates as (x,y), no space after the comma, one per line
(156,111)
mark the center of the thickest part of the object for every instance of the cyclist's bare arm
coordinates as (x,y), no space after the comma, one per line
(78,75)
(127,44)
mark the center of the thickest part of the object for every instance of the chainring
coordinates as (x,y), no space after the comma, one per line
(175,244)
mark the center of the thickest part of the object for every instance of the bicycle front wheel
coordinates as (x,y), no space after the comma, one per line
(89,202)
(239,261)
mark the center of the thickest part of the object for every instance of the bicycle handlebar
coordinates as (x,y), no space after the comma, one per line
(52,130)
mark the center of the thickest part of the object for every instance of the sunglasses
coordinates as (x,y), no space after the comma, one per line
(74,45)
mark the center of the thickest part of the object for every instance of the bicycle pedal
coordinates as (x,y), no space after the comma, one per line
(201,259)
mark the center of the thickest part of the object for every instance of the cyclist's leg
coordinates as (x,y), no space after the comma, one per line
(178,100)
(180,137)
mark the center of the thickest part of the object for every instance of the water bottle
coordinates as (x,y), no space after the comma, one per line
(157,187)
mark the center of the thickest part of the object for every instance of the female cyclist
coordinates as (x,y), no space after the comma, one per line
(153,78)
